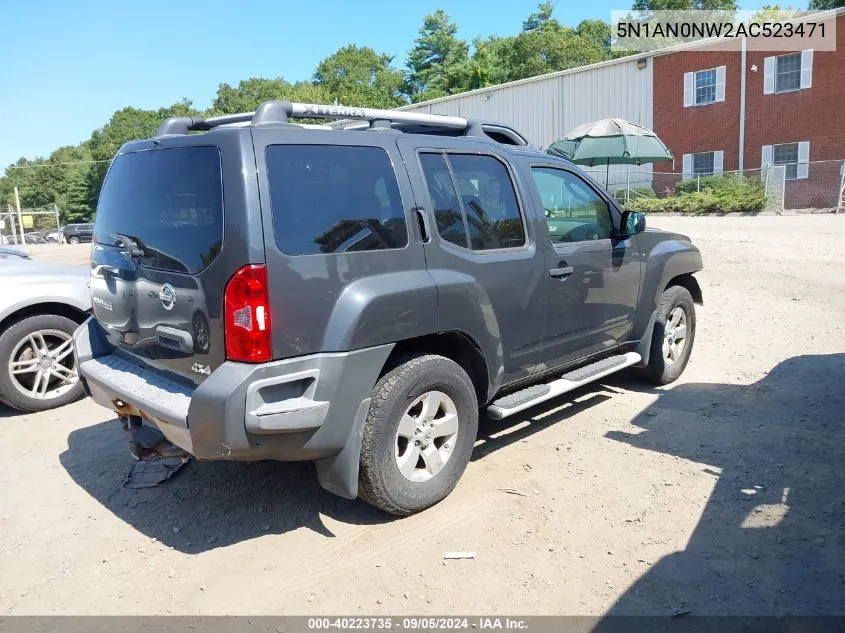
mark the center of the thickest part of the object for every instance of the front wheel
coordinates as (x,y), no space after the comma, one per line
(73,240)
(38,364)
(673,337)
(419,434)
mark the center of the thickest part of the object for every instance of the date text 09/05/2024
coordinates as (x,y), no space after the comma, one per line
(412,623)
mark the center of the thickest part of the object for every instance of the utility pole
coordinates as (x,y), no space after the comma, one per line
(12,224)
(20,220)
(58,222)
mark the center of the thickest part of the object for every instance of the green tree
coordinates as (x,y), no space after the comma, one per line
(77,206)
(596,32)
(684,5)
(362,77)
(773,13)
(485,66)
(545,45)
(439,62)
(125,125)
(542,18)
(821,5)
(71,166)
(40,181)
(250,93)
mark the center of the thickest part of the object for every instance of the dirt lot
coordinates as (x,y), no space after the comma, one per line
(724,494)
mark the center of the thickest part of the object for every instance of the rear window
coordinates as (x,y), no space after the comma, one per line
(334,199)
(170,201)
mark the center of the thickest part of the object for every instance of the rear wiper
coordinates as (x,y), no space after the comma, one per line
(132,246)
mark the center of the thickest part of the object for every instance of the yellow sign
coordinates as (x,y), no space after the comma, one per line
(27,221)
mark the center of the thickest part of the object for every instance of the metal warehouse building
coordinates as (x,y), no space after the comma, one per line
(717,110)
(546,107)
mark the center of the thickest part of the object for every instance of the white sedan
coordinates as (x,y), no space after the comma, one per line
(41,305)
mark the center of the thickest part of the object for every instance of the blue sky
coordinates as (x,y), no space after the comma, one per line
(65,67)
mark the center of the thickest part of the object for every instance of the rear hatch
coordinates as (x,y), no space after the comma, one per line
(156,281)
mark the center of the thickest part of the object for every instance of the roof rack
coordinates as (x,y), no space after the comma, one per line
(282,111)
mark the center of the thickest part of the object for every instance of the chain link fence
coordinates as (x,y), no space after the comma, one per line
(40,226)
(814,187)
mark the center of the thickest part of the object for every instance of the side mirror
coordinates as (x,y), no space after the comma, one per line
(633,222)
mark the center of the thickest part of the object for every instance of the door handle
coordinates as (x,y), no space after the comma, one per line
(420,213)
(562,273)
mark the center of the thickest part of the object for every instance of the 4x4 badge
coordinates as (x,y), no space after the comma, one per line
(167,296)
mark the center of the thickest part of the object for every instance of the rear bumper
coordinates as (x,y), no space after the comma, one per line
(302,408)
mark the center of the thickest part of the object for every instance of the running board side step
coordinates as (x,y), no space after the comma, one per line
(528,397)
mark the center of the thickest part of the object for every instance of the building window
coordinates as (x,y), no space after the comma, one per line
(787,154)
(705,86)
(788,72)
(702,164)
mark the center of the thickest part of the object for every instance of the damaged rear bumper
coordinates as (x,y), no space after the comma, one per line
(304,408)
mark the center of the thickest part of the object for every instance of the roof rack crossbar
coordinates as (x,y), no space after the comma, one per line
(282,111)
(185,124)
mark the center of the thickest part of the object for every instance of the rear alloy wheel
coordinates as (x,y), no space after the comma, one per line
(419,434)
(38,364)
(426,436)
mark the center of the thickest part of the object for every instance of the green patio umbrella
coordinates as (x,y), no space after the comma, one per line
(611,142)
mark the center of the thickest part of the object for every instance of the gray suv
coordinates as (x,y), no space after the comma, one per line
(355,293)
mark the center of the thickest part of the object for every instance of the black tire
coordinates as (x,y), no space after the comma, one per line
(659,370)
(380,481)
(73,240)
(9,340)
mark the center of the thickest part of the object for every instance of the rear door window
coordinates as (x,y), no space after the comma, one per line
(486,215)
(444,199)
(489,200)
(334,199)
(169,201)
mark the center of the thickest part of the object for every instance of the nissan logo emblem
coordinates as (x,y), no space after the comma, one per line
(167,296)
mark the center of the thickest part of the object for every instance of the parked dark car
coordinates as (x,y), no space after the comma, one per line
(35,237)
(366,291)
(76,233)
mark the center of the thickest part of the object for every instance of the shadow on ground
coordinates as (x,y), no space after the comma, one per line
(206,504)
(771,540)
(8,412)
(215,504)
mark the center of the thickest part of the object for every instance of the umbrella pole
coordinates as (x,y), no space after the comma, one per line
(607,176)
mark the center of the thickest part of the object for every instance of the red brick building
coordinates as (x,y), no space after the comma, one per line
(692,96)
(794,114)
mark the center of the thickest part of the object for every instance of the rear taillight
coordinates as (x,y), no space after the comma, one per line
(248,336)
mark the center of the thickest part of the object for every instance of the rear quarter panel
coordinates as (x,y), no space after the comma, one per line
(341,301)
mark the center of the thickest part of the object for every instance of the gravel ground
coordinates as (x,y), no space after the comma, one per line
(724,494)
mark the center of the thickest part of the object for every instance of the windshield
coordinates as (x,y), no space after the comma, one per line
(169,201)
